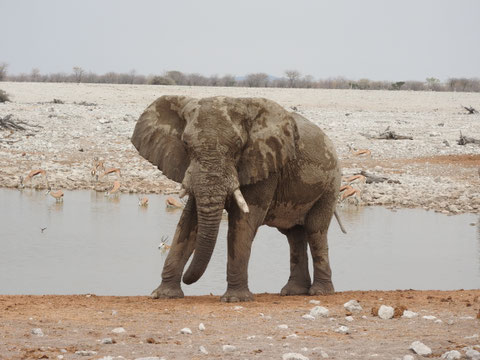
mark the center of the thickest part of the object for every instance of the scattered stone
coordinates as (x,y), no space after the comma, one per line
(186,331)
(251,337)
(472,354)
(150,358)
(229,348)
(203,350)
(292,336)
(408,357)
(386,312)
(85,353)
(37,332)
(319,311)
(343,330)
(314,302)
(283,327)
(349,318)
(238,308)
(114,312)
(420,348)
(429,317)
(353,306)
(452,355)
(108,341)
(409,314)
(119,330)
(201,327)
(308,317)
(294,356)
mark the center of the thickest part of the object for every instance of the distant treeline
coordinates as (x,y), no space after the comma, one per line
(291,79)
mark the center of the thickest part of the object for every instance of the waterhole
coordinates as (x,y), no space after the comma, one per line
(109,246)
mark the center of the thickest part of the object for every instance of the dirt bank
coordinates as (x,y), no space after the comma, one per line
(152,327)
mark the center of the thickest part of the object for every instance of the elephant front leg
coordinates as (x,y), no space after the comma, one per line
(299,281)
(182,247)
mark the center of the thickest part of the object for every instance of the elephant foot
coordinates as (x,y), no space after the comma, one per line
(324,288)
(293,288)
(237,296)
(165,291)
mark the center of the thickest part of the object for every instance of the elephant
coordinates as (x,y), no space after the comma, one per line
(259,162)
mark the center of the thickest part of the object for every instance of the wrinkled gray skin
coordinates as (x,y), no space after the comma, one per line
(285,167)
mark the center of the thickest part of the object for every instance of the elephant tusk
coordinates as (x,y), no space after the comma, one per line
(340,222)
(182,193)
(242,204)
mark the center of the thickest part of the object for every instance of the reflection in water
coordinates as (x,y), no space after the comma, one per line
(109,246)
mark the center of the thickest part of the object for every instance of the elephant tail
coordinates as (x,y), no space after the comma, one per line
(339,222)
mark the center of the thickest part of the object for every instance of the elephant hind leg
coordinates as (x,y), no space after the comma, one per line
(316,227)
(299,281)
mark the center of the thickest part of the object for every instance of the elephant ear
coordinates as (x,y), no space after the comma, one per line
(272,140)
(157,136)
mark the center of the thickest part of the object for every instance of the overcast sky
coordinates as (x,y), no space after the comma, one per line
(376,39)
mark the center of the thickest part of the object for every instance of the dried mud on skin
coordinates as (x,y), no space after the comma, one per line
(152,327)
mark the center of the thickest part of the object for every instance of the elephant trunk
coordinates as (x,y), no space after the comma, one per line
(209,215)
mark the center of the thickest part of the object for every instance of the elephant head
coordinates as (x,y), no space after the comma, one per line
(213,146)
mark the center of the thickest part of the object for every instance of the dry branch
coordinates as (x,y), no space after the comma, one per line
(388,134)
(464,140)
(470,110)
(370,178)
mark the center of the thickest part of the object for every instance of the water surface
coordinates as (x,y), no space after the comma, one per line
(109,246)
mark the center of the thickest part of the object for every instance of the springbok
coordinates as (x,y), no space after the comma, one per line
(31,175)
(362,152)
(143,201)
(97,165)
(164,247)
(111,171)
(348,191)
(114,189)
(171,202)
(352,178)
(58,194)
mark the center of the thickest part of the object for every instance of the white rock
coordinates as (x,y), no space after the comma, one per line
(420,348)
(37,332)
(319,311)
(229,348)
(352,306)
(60,357)
(472,354)
(294,356)
(118,330)
(349,318)
(186,331)
(343,330)
(201,327)
(452,355)
(314,302)
(409,314)
(386,312)
(150,358)
(408,357)
(107,341)
(203,350)
(85,353)
(238,308)
(292,336)
(429,317)
(283,326)
(251,337)
(308,317)
(320,351)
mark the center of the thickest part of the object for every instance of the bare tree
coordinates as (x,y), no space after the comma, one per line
(257,80)
(35,75)
(293,76)
(3,71)
(78,73)
(178,77)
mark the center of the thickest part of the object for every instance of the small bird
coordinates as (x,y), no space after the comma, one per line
(171,202)
(114,189)
(43,229)
(143,201)
(58,194)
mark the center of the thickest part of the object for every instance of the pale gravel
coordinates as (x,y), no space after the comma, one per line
(72,135)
